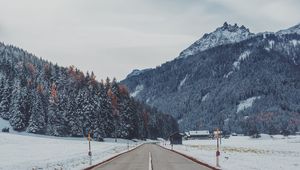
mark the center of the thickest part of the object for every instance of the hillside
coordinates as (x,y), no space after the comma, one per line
(39,97)
(232,79)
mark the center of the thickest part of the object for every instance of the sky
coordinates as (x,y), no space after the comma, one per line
(113,37)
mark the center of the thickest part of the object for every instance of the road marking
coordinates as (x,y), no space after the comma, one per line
(150,161)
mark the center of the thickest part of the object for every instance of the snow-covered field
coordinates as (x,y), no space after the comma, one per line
(26,152)
(244,153)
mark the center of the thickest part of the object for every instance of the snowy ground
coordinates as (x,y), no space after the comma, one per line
(244,153)
(22,151)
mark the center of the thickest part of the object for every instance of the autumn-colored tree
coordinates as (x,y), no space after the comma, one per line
(123,90)
(71,70)
(114,102)
(79,76)
(47,71)
(53,93)
(40,88)
(31,68)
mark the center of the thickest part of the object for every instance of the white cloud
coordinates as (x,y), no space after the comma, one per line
(97,34)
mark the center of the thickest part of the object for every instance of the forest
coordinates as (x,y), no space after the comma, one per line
(40,97)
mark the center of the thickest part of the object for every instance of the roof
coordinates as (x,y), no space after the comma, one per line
(177,134)
(199,132)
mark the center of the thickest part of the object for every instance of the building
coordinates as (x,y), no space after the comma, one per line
(176,138)
(201,134)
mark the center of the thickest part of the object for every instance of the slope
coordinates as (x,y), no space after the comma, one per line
(246,86)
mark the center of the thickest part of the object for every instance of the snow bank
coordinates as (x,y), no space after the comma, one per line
(244,153)
(20,152)
(4,124)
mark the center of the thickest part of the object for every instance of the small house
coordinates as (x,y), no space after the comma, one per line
(201,134)
(176,138)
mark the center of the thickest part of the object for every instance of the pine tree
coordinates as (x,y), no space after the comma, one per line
(75,115)
(37,121)
(56,121)
(5,101)
(17,107)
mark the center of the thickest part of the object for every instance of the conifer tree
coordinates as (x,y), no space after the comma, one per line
(5,101)
(37,121)
(17,107)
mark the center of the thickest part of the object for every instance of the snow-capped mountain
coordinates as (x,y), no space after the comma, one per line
(137,72)
(293,30)
(232,79)
(223,35)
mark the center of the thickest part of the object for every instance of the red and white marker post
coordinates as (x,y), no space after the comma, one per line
(90,150)
(217,135)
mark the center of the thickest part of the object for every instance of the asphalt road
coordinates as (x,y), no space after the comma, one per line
(140,158)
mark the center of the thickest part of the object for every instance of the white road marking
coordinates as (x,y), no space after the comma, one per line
(150,161)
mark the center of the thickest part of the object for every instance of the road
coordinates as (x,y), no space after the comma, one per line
(140,158)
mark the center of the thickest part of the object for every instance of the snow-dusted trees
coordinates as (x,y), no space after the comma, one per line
(43,98)
(37,121)
(18,111)
(5,92)
(56,120)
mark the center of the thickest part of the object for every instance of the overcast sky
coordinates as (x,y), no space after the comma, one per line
(113,37)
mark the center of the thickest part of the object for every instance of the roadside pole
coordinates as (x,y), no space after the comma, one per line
(90,151)
(217,135)
(128,144)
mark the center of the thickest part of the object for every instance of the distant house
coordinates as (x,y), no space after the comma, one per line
(176,138)
(201,134)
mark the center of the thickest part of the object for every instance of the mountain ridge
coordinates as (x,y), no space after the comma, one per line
(207,88)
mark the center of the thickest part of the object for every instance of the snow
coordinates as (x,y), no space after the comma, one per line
(292,30)
(27,151)
(228,74)
(237,63)
(137,90)
(4,124)
(226,34)
(243,56)
(295,42)
(148,100)
(179,121)
(182,82)
(246,103)
(137,72)
(204,98)
(244,153)
(270,45)
(200,132)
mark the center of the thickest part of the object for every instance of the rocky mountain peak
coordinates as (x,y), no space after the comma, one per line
(225,34)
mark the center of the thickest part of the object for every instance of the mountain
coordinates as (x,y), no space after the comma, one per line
(223,35)
(231,79)
(39,97)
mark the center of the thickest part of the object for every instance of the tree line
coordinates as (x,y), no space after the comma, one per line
(39,97)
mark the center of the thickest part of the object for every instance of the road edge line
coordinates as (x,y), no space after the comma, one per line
(111,158)
(191,158)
